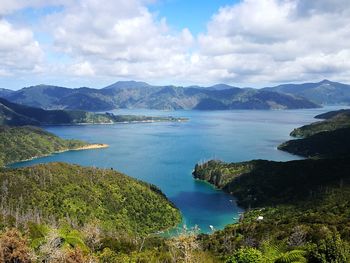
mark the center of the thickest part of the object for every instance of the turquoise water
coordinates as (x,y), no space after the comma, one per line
(164,154)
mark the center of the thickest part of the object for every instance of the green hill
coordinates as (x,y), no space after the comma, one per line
(59,192)
(325,144)
(297,211)
(22,143)
(16,114)
(260,183)
(333,120)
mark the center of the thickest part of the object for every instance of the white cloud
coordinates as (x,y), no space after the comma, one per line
(120,39)
(19,52)
(279,40)
(253,41)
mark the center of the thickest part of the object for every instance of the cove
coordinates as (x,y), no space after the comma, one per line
(164,154)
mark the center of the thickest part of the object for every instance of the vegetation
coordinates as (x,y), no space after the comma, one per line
(22,143)
(297,211)
(66,213)
(61,192)
(16,114)
(334,143)
(334,121)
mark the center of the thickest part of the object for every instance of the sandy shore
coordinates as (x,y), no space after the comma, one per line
(91,146)
(86,147)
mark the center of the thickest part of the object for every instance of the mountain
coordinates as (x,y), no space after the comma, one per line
(131,94)
(220,87)
(5,92)
(128,84)
(15,115)
(323,92)
(27,142)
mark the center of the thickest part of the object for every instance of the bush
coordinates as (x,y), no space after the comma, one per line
(246,255)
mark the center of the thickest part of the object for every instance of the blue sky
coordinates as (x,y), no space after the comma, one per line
(193,14)
(243,43)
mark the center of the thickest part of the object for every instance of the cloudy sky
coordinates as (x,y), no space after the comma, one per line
(247,43)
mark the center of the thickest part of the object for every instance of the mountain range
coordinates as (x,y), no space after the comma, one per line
(132,94)
(324,92)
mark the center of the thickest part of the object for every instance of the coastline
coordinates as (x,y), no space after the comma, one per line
(82,148)
(90,147)
(117,122)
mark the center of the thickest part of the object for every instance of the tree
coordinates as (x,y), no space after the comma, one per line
(246,255)
(330,250)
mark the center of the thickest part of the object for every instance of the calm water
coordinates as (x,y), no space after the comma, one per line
(164,154)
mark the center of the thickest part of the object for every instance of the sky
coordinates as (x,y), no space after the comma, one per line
(94,43)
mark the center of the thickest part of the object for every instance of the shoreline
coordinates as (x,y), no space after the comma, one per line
(82,148)
(111,123)
(90,147)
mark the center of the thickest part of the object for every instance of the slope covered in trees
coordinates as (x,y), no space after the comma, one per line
(16,114)
(26,142)
(332,121)
(62,192)
(297,211)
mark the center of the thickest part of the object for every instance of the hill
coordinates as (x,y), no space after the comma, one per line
(16,114)
(324,144)
(323,92)
(131,94)
(296,210)
(333,120)
(76,195)
(27,142)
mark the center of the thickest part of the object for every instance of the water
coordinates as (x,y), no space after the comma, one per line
(164,154)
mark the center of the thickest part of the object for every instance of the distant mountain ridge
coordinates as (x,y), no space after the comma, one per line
(323,92)
(132,94)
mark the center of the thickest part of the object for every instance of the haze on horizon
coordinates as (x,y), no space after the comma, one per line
(243,43)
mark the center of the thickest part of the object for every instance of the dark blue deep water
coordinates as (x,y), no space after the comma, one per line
(164,154)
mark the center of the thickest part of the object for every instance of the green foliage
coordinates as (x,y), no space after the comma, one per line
(331,249)
(22,143)
(260,183)
(278,253)
(17,115)
(334,120)
(246,255)
(327,144)
(78,195)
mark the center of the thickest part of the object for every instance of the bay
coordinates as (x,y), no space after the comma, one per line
(165,154)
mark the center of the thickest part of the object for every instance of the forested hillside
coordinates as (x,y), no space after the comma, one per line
(22,143)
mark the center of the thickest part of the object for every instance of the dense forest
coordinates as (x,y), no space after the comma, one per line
(63,209)
(296,211)
(16,115)
(22,143)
